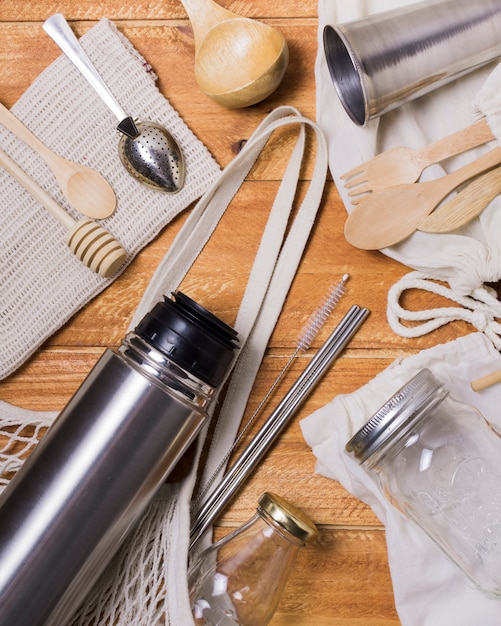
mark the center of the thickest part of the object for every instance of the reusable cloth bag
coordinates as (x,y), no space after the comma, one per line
(464,259)
(43,285)
(146,585)
(429,590)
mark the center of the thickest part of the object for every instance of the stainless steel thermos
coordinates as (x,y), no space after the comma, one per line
(68,509)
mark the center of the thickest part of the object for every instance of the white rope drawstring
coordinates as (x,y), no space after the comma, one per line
(480,309)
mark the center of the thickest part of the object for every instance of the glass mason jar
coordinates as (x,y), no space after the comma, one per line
(439,463)
(239,580)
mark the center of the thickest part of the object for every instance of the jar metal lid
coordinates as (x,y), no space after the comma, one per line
(398,412)
(289,517)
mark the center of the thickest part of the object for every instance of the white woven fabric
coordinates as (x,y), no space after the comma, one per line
(42,283)
(466,258)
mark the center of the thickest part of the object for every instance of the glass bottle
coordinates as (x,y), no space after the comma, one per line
(239,580)
(439,463)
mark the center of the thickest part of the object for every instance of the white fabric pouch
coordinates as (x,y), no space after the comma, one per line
(464,259)
(429,590)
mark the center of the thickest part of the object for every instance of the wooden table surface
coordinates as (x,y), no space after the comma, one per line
(343,579)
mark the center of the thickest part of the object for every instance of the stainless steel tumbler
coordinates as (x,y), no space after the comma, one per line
(70,506)
(379,62)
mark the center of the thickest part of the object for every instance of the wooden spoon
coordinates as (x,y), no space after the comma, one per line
(85,189)
(238,61)
(465,206)
(389,216)
(94,246)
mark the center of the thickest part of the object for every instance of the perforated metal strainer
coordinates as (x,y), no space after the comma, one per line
(153,157)
(148,151)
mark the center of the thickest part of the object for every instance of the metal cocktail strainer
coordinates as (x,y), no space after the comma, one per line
(148,151)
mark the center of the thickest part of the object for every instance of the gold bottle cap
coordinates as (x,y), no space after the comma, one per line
(289,517)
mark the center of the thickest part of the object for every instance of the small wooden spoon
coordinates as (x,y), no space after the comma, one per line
(391,215)
(238,61)
(465,206)
(85,189)
(89,242)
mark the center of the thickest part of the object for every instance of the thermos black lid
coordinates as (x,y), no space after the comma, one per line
(191,336)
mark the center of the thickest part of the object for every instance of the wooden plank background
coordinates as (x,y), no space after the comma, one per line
(342,580)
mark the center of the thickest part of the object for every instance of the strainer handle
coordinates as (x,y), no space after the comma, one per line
(60,31)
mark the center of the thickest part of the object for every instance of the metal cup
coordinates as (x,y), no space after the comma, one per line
(379,62)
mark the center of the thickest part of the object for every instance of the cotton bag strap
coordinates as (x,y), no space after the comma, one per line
(273,270)
(205,216)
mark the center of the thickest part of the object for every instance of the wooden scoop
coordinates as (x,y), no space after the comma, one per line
(90,242)
(238,61)
(85,189)
(389,216)
(465,206)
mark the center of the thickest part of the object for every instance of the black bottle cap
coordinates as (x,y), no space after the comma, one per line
(191,337)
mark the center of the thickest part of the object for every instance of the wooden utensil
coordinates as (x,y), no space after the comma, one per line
(401,165)
(90,242)
(238,61)
(387,217)
(486,381)
(465,206)
(85,189)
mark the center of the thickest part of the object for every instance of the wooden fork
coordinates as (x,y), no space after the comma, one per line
(402,165)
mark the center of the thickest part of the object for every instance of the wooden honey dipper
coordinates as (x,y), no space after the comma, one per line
(90,242)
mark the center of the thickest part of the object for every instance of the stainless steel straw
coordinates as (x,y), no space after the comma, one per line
(276,422)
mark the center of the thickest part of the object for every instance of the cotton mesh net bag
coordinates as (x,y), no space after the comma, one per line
(458,265)
(146,583)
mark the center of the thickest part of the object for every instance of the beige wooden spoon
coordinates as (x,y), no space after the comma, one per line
(238,61)
(465,205)
(94,246)
(389,216)
(85,189)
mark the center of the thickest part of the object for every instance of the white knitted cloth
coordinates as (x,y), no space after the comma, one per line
(42,283)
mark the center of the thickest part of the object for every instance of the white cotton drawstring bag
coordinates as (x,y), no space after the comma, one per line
(465,259)
(146,584)
(428,589)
